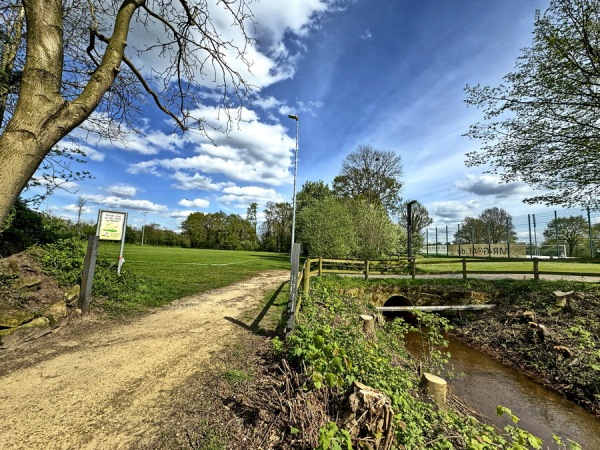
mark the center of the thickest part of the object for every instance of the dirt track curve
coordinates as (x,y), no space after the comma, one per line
(107,385)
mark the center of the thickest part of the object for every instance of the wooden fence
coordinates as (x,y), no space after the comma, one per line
(409,267)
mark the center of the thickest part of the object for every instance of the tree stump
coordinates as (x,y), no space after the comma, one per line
(368,325)
(367,415)
(435,387)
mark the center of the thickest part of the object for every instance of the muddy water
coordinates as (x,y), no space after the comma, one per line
(484,383)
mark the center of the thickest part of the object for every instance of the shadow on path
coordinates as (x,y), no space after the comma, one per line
(254,325)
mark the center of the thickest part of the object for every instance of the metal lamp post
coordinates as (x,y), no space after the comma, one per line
(409,236)
(144,227)
(295,117)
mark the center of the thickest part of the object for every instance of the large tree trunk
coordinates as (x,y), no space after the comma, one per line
(42,117)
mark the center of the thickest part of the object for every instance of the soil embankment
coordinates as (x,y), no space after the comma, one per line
(555,341)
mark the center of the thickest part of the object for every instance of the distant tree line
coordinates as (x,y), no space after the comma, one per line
(361,216)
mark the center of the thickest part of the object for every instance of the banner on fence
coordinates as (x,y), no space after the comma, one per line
(493,250)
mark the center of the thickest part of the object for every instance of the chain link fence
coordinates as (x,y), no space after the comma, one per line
(565,233)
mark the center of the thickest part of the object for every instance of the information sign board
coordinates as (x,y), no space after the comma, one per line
(111,225)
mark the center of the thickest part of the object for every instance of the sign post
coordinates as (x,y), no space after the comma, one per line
(111,227)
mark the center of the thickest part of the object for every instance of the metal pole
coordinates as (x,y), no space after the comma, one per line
(590,233)
(447,243)
(556,234)
(409,232)
(508,236)
(489,241)
(535,234)
(529,224)
(121,260)
(436,242)
(144,227)
(295,117)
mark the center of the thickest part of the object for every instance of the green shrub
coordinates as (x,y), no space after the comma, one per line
(63,260)
(328,341)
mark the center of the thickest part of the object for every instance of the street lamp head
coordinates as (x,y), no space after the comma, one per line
(293,116)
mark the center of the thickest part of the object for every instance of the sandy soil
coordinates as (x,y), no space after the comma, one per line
(106,385)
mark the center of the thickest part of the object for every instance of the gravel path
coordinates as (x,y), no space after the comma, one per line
(106,385)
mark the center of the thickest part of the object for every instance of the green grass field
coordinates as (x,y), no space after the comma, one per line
(186,271)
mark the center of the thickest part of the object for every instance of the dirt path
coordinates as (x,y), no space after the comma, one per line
(107,385)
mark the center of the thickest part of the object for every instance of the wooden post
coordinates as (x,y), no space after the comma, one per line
(464,268)
(536,269)
(366,269)
(412,263)
(435,387)
(89,265)
(320,265)
(306,277)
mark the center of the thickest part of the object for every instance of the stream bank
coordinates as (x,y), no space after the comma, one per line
(556,344)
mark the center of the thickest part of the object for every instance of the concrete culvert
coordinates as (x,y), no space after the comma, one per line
(399,300)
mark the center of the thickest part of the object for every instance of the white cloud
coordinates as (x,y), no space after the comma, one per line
(118,202)
(242,196)
(197,203)
(75,208)
(195,181)
(490,185)
(145,140)
(183,214)
(251,152)
(453,211)
(122,190)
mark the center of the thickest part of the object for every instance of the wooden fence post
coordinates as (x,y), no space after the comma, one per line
(306,277)
(536,269)
(464,268)
(89,266)
(320,265)
(366,269)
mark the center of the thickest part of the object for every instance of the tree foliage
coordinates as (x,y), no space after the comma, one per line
(326,229)
(570,231)
(420,220)
(311,193)
(276,230)
(541,125)
(371,175)
(493,225)
(348,228)
(377,236)
(86,64)
(219,230)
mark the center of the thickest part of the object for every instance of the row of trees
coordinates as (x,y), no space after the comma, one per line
(219,230)
(26,227)
(362,215)
(495,225)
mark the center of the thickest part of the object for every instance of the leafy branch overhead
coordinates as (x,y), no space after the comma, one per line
(93,65)
(542,124)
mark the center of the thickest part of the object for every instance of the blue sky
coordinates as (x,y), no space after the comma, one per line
(390,74)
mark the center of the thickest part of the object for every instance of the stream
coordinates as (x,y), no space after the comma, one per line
(483,383)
